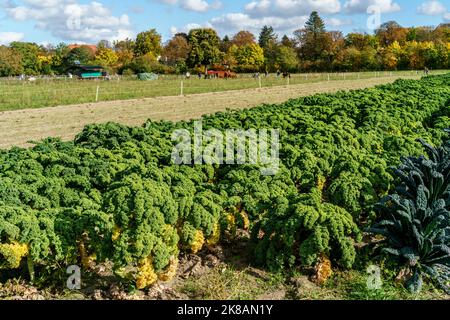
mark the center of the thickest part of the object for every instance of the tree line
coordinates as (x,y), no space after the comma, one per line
(309,49)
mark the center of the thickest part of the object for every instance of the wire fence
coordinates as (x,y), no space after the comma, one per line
(46,91)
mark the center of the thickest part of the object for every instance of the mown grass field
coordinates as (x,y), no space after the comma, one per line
(15,94)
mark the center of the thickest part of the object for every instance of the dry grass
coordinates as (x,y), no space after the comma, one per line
(225,283)
(21,126)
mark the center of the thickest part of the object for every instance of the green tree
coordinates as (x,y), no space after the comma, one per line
(106,57)
(287,59)
(58,58)
(10,62)
(148,43)
(249,57)
(268,40)
(315,24)
(204,47)
(271,56)
(313,38)
(430,54)
(369,59)
(145,64)
(225,44)
(80,55)
(287,42)
(348,59)
(267,37)
(360,41)
(443,51)
(29,53)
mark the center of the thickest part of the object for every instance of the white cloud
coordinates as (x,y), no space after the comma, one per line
(194,5)
(72,20)
(43,3)
(361,6)
(167,1)
(258,7)
(45,44)
(432,8)
(335,22)
(233,22)
(7,37)
(447,16)
(174,30)
(283,15)
(191,26)
(291,8)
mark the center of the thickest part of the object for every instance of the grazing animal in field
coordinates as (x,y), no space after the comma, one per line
(221,74)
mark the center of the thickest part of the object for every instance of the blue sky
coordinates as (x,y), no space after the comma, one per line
(87,21)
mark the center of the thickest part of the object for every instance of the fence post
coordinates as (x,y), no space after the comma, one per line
(260,84)
(96,93)
(328,77)
(182,87)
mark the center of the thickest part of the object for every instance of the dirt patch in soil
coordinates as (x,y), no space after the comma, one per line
(219,272)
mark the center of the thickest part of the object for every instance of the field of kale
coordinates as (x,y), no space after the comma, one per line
(113,194)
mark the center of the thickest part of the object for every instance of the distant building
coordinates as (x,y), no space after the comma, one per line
(87,72)
(92,47)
